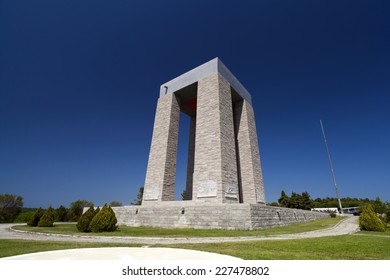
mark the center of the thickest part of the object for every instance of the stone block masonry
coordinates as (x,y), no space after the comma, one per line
(215,167)
(251,177)
(161,172)
(184,214)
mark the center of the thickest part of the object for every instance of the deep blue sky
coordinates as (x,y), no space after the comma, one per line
(79,82)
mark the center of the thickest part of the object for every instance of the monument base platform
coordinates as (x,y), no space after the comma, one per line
(183,214)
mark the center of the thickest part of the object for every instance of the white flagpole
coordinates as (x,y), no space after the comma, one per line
(331,168)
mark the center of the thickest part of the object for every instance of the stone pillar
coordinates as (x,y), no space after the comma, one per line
(161,171)
(215,166)
(191,156)
(249,157)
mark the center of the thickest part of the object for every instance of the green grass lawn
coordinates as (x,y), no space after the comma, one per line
(376,233)
(347,247)
(161,232)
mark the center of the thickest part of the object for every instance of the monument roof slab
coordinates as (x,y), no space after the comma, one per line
(213,66)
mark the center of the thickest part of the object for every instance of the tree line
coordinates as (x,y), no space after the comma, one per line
(304,201)
(297,201)
(11,210)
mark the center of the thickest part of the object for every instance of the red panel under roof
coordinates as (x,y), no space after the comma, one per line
(190,104)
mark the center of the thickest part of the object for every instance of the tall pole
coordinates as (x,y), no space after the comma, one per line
(331,168)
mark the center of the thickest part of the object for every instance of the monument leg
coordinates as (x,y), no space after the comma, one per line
(249,157)
(161,171)
(215,167)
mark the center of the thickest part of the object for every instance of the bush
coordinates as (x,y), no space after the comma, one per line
(333,215)
(47,220)
(61,214)
(24,217)
(85,220)
(105,220)
(33,222)
(370,221)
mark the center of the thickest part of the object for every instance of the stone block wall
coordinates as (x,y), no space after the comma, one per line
(210,216)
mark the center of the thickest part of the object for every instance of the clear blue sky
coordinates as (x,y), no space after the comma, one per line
(79,83)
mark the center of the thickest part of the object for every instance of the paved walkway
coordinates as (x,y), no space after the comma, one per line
(346,226)
(124,253)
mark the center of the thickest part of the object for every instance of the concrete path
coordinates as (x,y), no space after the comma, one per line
(123,253)
(346,226)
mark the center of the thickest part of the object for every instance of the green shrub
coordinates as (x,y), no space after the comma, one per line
(61,214)
(333,215)
(104,220)
(24,217)
(370,221)
(33,222)
(85,220)
(47,220)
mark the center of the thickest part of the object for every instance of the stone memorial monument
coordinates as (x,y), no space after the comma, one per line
(224,186)
(223,155)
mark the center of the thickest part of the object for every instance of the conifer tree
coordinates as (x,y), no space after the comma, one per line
(104,220)
(284,200)
(370,221)
(33,222)
(85,220)
(47,219)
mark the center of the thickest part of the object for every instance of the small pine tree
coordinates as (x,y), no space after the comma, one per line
(294,200)
(184,195)
(369,220)
(333,215)
(61,214)
(85,220)
(47,219)
(113,226)
(140,195)
(104,220)
(33,222)
(387,212)
(284,200)
(306,202)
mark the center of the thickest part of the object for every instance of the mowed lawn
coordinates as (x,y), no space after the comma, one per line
(346,247)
